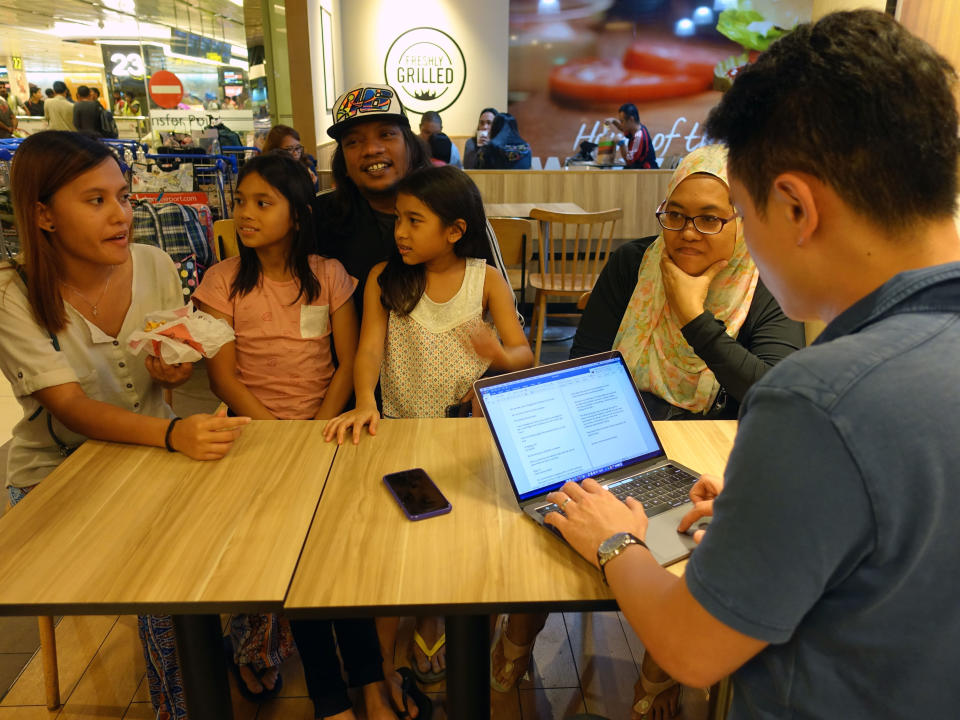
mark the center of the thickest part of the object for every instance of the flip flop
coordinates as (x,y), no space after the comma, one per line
(409,689)
(513,667)
(429,677)
(652,690)
(260,697)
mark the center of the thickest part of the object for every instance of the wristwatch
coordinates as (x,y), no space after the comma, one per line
(613,546)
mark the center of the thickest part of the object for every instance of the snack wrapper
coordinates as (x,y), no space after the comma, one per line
(181,335)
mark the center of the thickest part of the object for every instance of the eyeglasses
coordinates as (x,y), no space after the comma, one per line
(706,224)
(293,149)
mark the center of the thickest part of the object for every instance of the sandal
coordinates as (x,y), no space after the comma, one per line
(429,677)
(652,690)
(516,658)
(409,689)
(256,697)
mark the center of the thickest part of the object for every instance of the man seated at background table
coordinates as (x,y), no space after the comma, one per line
(829,578)
(637,149)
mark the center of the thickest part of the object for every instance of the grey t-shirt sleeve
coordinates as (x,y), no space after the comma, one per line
(792,521)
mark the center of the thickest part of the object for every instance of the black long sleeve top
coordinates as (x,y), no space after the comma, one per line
(766,336)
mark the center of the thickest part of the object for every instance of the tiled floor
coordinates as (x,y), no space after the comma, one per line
(582,662)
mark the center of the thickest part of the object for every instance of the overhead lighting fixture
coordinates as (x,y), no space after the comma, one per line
(76,30)
(238,51)
(85,63)
(238,3)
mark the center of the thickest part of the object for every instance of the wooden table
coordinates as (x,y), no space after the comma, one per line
(522,210)
(127,529)
(484,557)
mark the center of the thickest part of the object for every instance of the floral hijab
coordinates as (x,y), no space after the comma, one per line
(649,337)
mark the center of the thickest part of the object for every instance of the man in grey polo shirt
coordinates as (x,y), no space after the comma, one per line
(829,580)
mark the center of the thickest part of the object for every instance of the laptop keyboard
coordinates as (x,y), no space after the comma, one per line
(659,490)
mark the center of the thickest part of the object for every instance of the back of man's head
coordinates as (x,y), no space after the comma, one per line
(83,92)
(859,103)
(59,87)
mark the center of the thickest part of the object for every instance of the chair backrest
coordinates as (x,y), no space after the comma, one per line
(574,247)
(225,239)
(511,234)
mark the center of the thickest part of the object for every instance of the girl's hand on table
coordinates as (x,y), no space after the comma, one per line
(206,437)
(169,376)
(686,294)
(356,419)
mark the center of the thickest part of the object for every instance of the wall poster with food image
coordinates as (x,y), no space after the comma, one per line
(573,63)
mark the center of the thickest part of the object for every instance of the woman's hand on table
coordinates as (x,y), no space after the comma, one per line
(169,376)
(686,294)
(592,514)
(355,419)
(206,437)
(702,494)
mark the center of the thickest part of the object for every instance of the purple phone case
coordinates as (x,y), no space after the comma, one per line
(423,516)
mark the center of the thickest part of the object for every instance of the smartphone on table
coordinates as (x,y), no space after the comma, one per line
(416,493)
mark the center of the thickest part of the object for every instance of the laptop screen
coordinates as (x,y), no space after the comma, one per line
(569,421)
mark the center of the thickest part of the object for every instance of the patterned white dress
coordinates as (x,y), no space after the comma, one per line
(429,363)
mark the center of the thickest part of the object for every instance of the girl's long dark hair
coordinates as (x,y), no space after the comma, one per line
(290,179)
(452,196)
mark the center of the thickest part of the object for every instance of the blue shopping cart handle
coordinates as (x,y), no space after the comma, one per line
(198,159)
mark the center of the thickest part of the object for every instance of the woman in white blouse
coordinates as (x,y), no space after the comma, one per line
(68,303)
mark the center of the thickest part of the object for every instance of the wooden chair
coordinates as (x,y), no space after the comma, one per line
(225,239)
(573,249)
(48,655)
(512,236)
(48,659)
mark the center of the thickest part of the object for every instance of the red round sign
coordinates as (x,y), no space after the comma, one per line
(166,89)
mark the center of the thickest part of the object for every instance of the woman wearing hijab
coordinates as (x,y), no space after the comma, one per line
(697,327)
(688,311)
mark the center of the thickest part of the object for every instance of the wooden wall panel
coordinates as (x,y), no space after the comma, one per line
(637,192)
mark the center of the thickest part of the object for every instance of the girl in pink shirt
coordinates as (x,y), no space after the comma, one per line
(285,304)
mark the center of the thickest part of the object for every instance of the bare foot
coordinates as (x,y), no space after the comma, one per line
(250,679)
(376,701)
(269,678)
(396,691)
(345,715)
(430,629)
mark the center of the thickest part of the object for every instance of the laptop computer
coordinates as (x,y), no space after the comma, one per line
(584,418)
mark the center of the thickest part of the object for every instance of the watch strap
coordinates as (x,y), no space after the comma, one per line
(626,541)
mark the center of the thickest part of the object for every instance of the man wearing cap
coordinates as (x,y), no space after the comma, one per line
(375,149)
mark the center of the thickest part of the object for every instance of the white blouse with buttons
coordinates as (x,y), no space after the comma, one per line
(101,364)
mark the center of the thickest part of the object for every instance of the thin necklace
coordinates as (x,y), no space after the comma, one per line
(103,292)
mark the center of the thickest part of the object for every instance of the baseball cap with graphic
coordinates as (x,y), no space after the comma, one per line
(364,102)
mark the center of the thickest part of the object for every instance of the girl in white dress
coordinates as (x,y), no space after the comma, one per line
(424,336)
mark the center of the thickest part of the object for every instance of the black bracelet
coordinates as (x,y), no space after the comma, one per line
(166,439)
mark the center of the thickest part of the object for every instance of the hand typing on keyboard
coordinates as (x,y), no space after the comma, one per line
(703,493)
(591,514)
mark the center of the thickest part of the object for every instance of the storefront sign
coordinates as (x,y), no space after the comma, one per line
(165,89)
(427,69)
(185,121)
